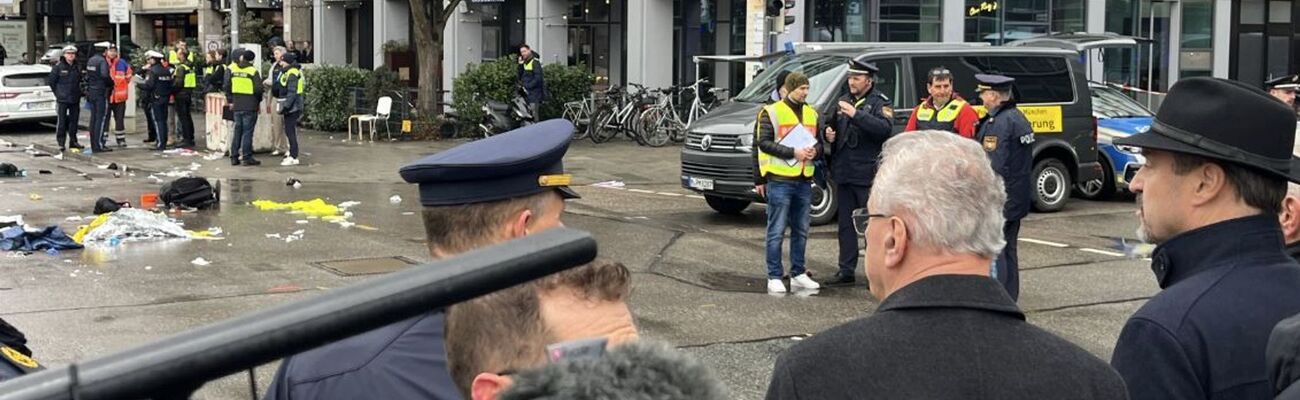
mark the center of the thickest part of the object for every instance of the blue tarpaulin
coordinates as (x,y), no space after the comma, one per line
(15,238)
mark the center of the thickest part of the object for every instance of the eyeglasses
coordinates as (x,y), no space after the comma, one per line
(940,72)
(861,217)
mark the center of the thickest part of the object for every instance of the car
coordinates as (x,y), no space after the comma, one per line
(55,51)
(24,94)
(1117,116)
(717,157)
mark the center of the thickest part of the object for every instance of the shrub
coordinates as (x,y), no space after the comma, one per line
(329,95)
(495,80)
(384,82)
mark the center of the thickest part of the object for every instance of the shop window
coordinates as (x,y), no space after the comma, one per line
(908,21)
(1038,79)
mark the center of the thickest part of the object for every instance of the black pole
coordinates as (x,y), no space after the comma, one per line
(178,365)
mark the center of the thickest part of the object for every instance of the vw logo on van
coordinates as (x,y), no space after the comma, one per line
(706,142)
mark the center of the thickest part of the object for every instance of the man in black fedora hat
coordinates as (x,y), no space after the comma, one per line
(1218,161)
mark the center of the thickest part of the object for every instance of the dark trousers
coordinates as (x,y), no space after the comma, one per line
(1007,267)
(66,129)
(148,117)
(291,132)
(117,113)
(241,141)
(847,199)
(160,123)
(98,116)
(184,121)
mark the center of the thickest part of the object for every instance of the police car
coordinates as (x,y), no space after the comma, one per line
(1117,116)
(24,95)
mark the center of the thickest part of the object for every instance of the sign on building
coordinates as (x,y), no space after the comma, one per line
(13,35)
(119,12)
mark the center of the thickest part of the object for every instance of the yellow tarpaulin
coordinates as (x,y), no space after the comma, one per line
(315,207)
(84,229)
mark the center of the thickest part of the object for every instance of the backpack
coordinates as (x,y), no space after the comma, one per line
(192,192)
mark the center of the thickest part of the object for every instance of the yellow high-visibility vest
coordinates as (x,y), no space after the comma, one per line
(241,79)
(284,78)
(528,66)
(927,118)
(785,120)
(190,80)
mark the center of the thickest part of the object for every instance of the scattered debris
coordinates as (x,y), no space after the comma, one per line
(316,207)
(395,199)
(302,222)
(130,224)
(610,184)
(148,267)
(409,213)
(34,197)
(293,182)
(200,262)
(348,204)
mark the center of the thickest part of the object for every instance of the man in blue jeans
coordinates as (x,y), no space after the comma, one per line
(784,176)
(244,95)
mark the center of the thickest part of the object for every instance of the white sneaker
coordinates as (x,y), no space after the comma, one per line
(286,162)
(295,161)
(775,286)
(276,153)
(804,282)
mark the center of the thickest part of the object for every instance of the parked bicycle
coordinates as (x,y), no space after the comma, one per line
(621,115)
(580,113)
(664,121)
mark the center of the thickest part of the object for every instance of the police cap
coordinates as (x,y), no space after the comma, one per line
(1283,82)
(993,82)
(153,54)
(104,45)
(518,163)
(862,68)
(69,49)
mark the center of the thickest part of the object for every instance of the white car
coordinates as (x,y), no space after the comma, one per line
(24,95)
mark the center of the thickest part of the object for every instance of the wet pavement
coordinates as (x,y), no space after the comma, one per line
(698,276)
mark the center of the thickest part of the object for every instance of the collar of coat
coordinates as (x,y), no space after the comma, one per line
(1216,245)
(976,292)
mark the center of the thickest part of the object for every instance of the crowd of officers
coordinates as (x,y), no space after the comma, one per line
(168,84)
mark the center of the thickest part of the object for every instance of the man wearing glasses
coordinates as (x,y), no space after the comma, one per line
(932,226)
(943,110)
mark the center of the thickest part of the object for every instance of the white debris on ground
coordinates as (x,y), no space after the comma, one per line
(200,262)
(134,223)
(609,184)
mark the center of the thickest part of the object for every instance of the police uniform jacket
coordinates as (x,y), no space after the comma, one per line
(159,83)
(858,139)
(1008,139)
(65,81)
(293,102)
(98,79)
(942,337)
(532,81)
(402,361)
(1204,336)
(244,102)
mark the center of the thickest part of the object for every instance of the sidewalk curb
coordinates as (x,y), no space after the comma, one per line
(70,156)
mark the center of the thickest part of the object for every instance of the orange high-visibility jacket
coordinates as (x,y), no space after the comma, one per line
(121,72)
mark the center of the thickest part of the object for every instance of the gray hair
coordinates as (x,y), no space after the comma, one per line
(279,49)
(1292,190)
(942,185)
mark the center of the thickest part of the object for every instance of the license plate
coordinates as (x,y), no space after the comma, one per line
(701,184)
(41,106)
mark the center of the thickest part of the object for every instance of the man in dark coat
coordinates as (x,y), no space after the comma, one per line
(158,87)
(65,82)
(1283,358)
(531,80)
(859,125)
(1209,197)
(99,84)
(944,330)
(1008,138)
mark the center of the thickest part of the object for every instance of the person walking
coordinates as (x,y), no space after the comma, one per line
(861,123)
(531,80)
(1007,137)
(943,110)
(1209,198)
(292,105)
(244,96)
(186,81)
(120,72)
(785,179)
(65,81)
(99,83)
(943,329)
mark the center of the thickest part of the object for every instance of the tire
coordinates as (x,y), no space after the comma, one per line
(601,131)
(654,129)
(580,131)
(824,204)
(725,205)
(1099,189)
(1051,184)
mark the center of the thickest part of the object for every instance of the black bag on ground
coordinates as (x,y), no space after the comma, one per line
(190,192)
(106,205)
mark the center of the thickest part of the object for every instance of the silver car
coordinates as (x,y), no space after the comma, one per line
(24,95)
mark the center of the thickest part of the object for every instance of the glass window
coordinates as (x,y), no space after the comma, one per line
(1252,11)
(909,21)
(1196,57)
(838,21)
(1110,103)
(888,80)
(1038,79)
(1250,51)
(24,80)
(1279,12)
(824,72)
(1068,16)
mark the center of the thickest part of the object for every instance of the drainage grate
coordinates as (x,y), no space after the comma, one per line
(365,266)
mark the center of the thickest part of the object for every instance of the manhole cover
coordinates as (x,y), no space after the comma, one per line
(365,266)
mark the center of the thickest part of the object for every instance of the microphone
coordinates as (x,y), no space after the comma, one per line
(641,370)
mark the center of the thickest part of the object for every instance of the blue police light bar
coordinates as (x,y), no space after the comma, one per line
(176,366)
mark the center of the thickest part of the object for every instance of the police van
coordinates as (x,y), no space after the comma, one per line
(717,159)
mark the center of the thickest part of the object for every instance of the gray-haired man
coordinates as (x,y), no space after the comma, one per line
(932,226)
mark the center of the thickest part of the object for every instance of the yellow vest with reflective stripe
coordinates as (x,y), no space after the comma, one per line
(528,66)
(948,113)
(191,81)
(785,120)
(284,78)
(241,79)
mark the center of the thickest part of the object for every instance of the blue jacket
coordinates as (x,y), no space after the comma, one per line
(532,80)
(1008,138)
(858,139)
(98,80)
(1203,337)
(65,81)
(405,360)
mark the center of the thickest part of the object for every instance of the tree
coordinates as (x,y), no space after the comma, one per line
(430,23)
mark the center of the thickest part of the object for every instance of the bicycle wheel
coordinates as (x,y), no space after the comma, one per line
(603,129)
(572,114)
(653,134)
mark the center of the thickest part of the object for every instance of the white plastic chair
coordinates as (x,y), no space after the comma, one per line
(382,110)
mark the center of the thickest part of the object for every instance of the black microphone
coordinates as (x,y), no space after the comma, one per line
(641,370)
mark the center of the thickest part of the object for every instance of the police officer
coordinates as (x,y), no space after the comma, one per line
(859,126)
(292,104)
(65,81)
(244,96)
(520,171)
(185,81)
(159,87)
(99,84)
(943,110)
(1283,88)
(146,100)
(1209,197)
(1008,139)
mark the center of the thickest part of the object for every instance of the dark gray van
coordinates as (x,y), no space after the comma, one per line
(717,159)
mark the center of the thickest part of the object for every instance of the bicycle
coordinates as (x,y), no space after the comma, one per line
(661,122)
(621,116)
(579,112)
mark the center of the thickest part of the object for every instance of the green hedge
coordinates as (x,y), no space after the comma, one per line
(496,80)
(329,95)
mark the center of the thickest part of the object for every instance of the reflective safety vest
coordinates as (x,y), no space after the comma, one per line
(284,78)
(241,79)
(174,59)
(943,119)
(189,78)
(528,66)
(785,120)
(121,73)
